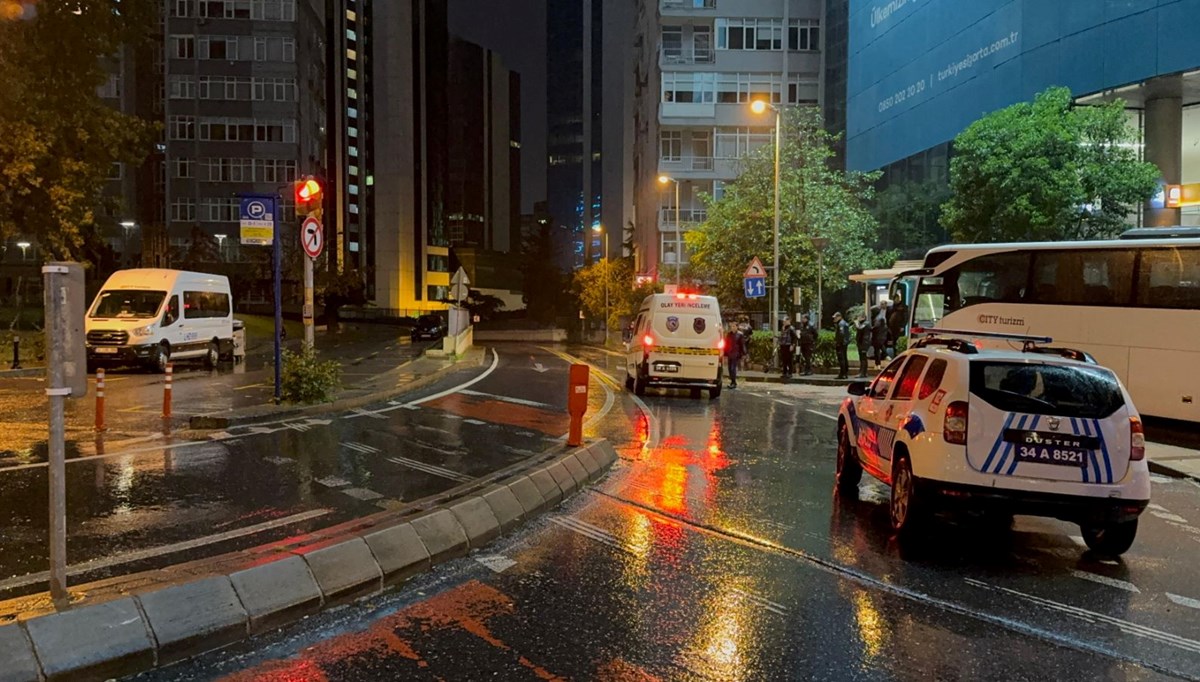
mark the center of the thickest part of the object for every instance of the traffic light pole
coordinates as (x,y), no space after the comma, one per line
(277,276)
(309,330)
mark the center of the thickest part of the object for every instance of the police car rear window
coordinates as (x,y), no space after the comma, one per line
(1060,390)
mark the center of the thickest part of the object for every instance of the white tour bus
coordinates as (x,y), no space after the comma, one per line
(150,317)
(1134,305)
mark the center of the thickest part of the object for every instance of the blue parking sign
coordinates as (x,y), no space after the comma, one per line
(257,219)
(755,287)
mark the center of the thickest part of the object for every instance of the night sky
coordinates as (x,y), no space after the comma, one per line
(516,30)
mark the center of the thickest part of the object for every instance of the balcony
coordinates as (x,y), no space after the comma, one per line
(682,56)
(686,7)
(688,218)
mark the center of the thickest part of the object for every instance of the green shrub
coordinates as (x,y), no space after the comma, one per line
(825,354)
(901,344)
(308,379)
(762,346)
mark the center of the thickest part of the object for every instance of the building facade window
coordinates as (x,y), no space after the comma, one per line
(767,34)
(182,127)
(184,168)
(183,87)
(247,130)
(111,89)
(183,210)
(183,47)
(804,35)
(688,87)
(670,145)
(220,209)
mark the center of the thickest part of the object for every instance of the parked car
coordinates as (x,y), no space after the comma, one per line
(1042,431)
(429,327)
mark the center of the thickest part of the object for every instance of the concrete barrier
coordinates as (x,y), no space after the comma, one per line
(95,642)
(590,466)
(566,482)
(526,335)
(194,617)
(16,651)
(505,506)
(443,536)
(528,495)
(399,552)
(571,462)
(477,520)
(344,570)
(277,592)
(550,491)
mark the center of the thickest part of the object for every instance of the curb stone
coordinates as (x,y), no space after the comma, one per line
(135,633)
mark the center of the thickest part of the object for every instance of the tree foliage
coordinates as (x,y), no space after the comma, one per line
(624,296)
(546,289)
(816,201)
(1046,170)
(58,138)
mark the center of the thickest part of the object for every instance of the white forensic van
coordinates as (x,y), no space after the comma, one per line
(151,316)
(676,342)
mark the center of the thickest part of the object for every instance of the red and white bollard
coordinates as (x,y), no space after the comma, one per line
(100,401)
(167,392)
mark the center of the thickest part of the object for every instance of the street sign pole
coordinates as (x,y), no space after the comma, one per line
(309,329)
(277,276)
(312,243)
(66,376)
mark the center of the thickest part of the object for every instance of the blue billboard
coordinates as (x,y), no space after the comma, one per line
(920,71)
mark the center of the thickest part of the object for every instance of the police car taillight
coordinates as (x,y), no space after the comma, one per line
(1137,440)
(647,341)
(721,344)
(954,429)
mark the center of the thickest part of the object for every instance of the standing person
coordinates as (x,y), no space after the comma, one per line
(808,343)
(787,345)
(897,322)
(747,331)
(841,341)
(879,334)
(862,340)
(733,353)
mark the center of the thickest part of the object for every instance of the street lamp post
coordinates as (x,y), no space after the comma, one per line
(819,243)
(760,106)
(607,276)
(664,179)
(24,247)
(127,225)
(221,244)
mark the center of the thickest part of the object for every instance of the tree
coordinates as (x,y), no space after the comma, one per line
(58,138)
(624,296)
(909,216)
(546,290)
(816,201)
(484,305)
(335,290)
(1046,170)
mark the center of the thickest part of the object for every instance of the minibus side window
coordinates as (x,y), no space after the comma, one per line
(172,313)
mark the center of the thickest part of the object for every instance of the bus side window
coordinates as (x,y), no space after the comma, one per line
(996,278)
(930,305)
(1169,278)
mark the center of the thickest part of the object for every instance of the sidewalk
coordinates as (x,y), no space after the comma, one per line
(1173,461)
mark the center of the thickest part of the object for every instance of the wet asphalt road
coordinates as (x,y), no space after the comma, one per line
(716,551)
(150,503)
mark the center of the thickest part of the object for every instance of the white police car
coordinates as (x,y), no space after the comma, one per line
(1041,431)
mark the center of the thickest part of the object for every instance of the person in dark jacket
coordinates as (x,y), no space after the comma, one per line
(862,340)
(879,334)
(808,343)
(733,353)
(787,349)
(841,342)
(897,323)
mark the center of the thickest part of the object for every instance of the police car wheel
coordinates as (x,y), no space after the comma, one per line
(1112,539)
(906,509)
(849,470)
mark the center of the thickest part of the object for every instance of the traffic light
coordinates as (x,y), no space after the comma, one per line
(308,195)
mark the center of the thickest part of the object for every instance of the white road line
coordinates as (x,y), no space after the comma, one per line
(1184,601)
(360,447)
(1165,516)
(822,414)
(509,399)
(1155,478)
(332,482)
(589,531)
(1105,580)
(1158,507)
(773,607)
(117,560)
(430,469)
(652,422)
(456,389)
(497,562)
(1087,616)
(362,494)
(359,412)
(609,401)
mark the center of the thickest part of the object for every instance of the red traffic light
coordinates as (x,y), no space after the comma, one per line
(307,190)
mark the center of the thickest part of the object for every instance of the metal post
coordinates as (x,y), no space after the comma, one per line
(277,274)
(607,276)
(678,243)
(820,284)
(16,363)
(166,411)
(309,331)
(100,427)
(775,273)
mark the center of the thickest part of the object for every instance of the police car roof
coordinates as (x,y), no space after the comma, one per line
(1006,355)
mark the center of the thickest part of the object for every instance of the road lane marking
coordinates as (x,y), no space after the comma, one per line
(497,562)
(430,469)
(773,607)
(1105,580)
(1169,517)
(592,532)
(360,447)
(359,412)
(509,399)
(297,426)
(332,482)
(249,386)
(1184,601)
(652,422)
(456,389)
(1128,627)
(822,414)
(362,494)
(139,555)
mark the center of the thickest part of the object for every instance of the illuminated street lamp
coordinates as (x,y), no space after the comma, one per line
(221,244)
(599,229)
(24,247)
(127,225)
(759,106)
(662,180)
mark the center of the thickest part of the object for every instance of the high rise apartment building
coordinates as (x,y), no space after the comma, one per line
(700,65)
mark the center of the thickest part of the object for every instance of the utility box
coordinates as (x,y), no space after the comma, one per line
(66,339)
(239,341)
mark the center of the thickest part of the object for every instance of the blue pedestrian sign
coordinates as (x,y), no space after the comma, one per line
(754,281)
(257,220)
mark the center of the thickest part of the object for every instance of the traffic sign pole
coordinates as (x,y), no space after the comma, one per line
(277,276)
(312,242)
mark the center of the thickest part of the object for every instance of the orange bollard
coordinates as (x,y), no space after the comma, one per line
(100,401)
(167,393)
(577,402)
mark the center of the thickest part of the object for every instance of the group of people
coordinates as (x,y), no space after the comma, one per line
(875,339)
